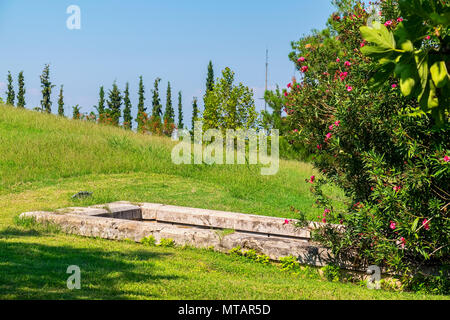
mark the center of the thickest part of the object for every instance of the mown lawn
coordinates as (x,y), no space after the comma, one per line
(44,160)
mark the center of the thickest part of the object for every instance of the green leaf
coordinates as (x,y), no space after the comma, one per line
(441,18)
(414,225)
(439,74)
(422,69)
(407,80)
(380,36)
(381,75)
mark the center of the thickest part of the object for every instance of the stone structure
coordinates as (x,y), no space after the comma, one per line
(189,226)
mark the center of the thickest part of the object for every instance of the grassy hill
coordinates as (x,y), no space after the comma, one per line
(45,159)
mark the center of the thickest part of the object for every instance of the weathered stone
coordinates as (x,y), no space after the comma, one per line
(121,210)
(222,220)
(117,229)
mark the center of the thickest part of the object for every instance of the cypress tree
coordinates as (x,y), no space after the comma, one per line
(141,106)
(210,77)
(21,93)
(61,102)
(194,112)
(114,104)
(169,113)
(47,86)
(127,110)
(180,111)
(11,95)
(156,103)
(101,102)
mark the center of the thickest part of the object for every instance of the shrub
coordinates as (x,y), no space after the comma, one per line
(149,241)
(167,243)
(289,263)
(392,165)
(332,273)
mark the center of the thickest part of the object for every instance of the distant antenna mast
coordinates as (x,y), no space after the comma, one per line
(267,70)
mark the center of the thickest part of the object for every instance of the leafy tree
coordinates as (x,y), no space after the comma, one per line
(169,113)
(21,94)
(195,112)
(180,111)
(61,102)
(276,101)
(156,102)
(210,77)
(114,104)
(415,48)
(76,112)
(11,96)
(47,86)
(141,107)
(228,106)
(127,119)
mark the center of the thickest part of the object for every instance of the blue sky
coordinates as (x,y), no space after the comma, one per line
(173,40)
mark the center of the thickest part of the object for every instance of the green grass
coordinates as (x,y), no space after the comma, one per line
(44,160)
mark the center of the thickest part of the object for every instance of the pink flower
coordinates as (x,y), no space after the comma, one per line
(388,23)
(328,136)
(286,221)
(312,179)
(289,85)
(343,75)
(397,188)
(349,88)
(394,85)
(362,44)
(304,69)
(296,130)
(426,224)
(338,60)
(326,211)
(298,86)
(319,146)
(324,220)
(399,19)
(403,241)
(301,59)
(446,159)
(392,225)
(337,123)
(347,63)
(427,37)
(330,127)
(286,94)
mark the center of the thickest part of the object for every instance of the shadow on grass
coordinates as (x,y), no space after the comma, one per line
(38,271)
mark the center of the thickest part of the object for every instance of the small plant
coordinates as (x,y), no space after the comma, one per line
(332,273)
(166,243)
(236,251)
(149,241)
(251,254)
(289,263)
(262,258)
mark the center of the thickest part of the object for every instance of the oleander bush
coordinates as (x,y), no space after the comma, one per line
(391,161)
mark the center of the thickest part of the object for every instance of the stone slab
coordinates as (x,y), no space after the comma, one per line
(222,220)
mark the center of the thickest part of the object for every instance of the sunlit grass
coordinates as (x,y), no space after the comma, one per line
(45,159)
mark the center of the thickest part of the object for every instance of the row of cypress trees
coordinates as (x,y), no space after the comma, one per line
(109,110)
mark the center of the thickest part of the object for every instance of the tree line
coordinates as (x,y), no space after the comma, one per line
(226,105)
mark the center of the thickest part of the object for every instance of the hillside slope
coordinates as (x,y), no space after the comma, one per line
(45,159)
(40,150)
